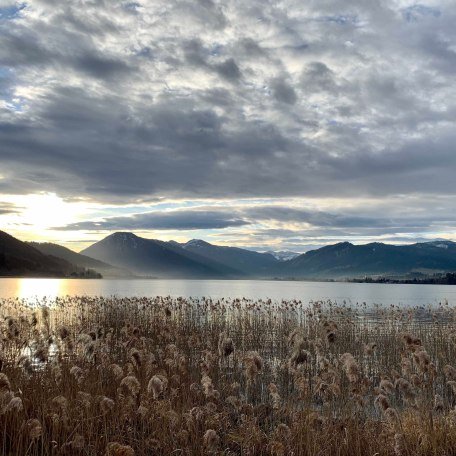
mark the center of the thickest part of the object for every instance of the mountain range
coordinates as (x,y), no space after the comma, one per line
(344,260)
(124,254)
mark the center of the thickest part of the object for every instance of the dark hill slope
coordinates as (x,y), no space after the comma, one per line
(77,259)
(18,258)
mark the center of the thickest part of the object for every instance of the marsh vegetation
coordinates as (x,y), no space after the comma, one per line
(141,376)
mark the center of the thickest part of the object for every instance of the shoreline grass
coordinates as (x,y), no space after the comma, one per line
(161,376)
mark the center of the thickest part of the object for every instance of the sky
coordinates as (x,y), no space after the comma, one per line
(271,125)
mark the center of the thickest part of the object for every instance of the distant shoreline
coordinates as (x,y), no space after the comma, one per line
(274,279)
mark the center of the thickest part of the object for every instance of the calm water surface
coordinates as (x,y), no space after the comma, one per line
(254,289)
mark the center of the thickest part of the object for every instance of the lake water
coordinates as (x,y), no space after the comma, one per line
(407,295)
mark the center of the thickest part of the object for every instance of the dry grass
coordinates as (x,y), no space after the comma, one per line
(95,376)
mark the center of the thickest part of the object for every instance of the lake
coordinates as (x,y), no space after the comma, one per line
(398,294)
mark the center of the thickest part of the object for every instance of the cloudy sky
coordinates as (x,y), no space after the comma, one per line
(259,123)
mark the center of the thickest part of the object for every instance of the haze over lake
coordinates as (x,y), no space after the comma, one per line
(397,294)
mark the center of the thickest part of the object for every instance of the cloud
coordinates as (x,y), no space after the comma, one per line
(100,66)
(175,220)
(228,69)
(7,208)
(314,218)
(283,91)
(118,102)
(317,77)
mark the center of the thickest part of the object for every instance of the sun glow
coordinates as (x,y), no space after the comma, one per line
(46,210)
(43,210)
(40,213)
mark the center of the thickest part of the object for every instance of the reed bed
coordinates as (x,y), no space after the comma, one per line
(164,376)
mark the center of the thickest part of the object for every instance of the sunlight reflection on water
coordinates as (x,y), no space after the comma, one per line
(351,293)
(31,288)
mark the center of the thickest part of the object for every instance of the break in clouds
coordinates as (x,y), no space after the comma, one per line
(122,102)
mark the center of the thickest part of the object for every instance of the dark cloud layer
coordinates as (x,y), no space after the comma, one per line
(175,220)
(305,223)
(124,101)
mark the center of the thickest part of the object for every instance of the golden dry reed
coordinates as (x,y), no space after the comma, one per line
(164,376)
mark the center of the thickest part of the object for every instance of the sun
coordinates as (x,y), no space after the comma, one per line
(37,213)
(46,210)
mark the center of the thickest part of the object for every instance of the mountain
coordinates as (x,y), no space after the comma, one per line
(77,259)
(18,258)
(283,255)
(345,260)
(247,262)
(152,257)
